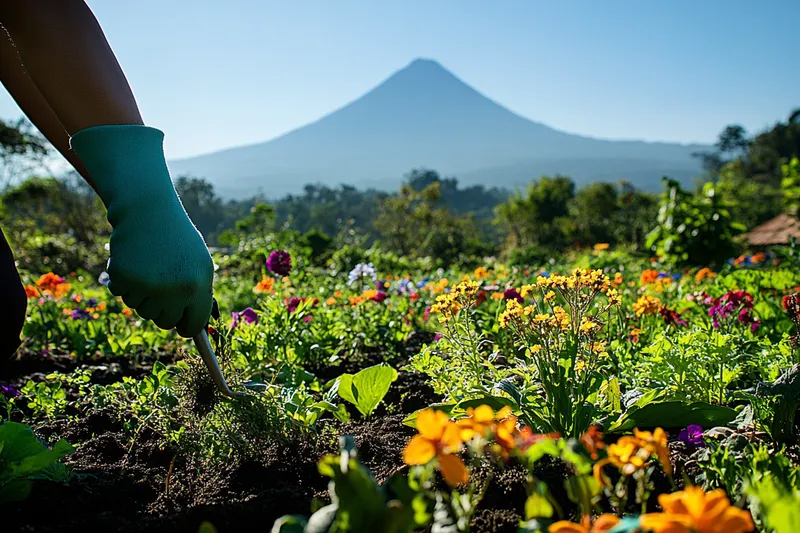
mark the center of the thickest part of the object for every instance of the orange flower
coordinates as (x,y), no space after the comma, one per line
(439,438)
(330,301)
(337,294)
(648,276)
(265,286)
(601,246)
(739,260)
(49,282)
(593,440)
(704,273)
(656,443)
(101,306)
(694,511)
(481,273)
(618,279)
(758,258)
(633,452)
(31,292)
(603,524)
(127,312)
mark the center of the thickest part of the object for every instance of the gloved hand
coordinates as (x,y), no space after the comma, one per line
(159,263)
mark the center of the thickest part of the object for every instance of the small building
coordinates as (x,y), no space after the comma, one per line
(775,232)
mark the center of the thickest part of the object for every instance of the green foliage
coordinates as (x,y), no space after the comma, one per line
(358,502)
(367,388)
(23,460)
(693,230)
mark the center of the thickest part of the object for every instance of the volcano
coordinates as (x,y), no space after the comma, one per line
(423,116)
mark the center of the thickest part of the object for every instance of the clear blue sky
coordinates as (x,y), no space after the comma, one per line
(219,74)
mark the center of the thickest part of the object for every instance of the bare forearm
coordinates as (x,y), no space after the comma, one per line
(68,58)
(33,104)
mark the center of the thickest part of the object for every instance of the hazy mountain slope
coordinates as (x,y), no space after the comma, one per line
(424,116)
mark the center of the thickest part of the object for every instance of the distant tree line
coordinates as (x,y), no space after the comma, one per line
(431,215)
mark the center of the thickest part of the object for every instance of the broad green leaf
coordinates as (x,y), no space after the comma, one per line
(366,389)
(537,506)
(672,414)
(411,420)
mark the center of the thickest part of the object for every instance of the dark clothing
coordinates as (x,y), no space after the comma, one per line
(13,302)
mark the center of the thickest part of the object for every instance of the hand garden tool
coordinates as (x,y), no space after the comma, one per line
(203,344)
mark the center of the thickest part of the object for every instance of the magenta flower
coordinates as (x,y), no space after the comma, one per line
(293,303)
(381,296)
(513,294)
(248,316)
(280,262)
(692,435)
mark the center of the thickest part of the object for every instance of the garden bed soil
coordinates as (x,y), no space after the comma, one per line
(120,486)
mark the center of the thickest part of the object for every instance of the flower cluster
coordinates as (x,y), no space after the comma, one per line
(450,303)
(738,304)
(50,285)
(646,305)
(279,262)
(441,438)
(631,453)
(362,272)
(704,273)
(248,316)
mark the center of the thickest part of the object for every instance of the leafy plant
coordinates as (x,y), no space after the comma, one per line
(367,388)
(23,460)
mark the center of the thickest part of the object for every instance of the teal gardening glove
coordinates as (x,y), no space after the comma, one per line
(158,262)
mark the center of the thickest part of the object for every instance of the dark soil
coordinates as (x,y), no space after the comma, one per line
(32,365)
(122,486)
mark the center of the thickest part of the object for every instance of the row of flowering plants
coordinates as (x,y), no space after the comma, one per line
(610,486)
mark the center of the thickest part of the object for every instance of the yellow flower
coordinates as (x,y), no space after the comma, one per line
(618,279)
(694,511)
(646,305)
(497,296)
(439,438)
(536,348)
(587,325)
(614,297)
(603,524)
(541,318)
(599,247)
(561,318)
(513,310)
(550,297)
(525,290)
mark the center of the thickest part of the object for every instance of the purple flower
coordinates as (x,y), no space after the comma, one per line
(513,294)
(280,262)
(92,302)
(9,391)
(437,337)
(248,316)
(81,314)
(692,435)
(293,303)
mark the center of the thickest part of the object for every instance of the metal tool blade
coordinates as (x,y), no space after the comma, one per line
(203,344)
